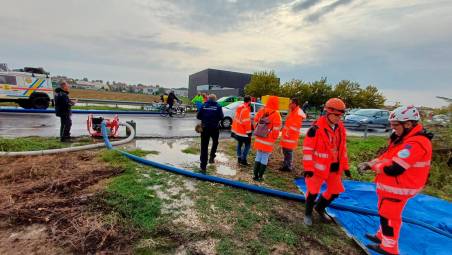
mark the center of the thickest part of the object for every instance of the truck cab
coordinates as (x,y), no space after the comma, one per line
(30,88)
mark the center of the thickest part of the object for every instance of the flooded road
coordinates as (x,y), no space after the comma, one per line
(148,126)
(182,153)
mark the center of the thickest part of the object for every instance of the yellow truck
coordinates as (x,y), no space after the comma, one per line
(283,102)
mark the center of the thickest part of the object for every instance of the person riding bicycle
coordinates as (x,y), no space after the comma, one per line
(170,101)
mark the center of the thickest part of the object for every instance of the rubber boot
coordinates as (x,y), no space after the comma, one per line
(320,208)
(377,248)
(373,238)
(262,171)
(310,200)
(257,166)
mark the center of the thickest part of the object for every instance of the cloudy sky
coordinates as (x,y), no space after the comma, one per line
(402,47)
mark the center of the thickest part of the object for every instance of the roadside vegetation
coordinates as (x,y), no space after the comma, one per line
(109,203)
(35,143)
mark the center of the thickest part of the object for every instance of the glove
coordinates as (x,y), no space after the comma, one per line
(364,166)
(348,173)
(308,174)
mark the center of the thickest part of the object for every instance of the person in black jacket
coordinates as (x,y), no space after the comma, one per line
(170,101)
(210,115)
(63,110)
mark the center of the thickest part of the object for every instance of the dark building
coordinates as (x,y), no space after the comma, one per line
(219,82)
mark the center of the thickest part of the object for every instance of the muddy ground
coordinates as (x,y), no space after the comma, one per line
(47,205)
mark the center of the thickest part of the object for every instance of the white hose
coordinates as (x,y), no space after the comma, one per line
(70,149)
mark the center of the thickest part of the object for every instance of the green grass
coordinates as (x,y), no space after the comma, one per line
(33,143)
(192,150)
(128,195)
(30,144)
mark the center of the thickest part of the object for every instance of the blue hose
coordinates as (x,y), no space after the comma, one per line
(259,189)
(15,110)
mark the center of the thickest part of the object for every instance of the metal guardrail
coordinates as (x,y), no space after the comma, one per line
(364,126)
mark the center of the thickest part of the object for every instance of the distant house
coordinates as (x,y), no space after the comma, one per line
(183,92)
(90,85)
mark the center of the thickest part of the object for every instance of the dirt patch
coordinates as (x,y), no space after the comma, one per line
(58,194)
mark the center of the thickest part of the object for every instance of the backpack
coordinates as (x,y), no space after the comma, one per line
(263,127)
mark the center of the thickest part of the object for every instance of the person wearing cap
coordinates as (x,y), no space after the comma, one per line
(325,159)
(291,133)
(266,132)
(401,171)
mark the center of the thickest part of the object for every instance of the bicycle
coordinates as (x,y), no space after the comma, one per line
(177,110)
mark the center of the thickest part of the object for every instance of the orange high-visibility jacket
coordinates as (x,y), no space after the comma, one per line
(241,125)
(412,157)
(271,108)
(319,152)
(291,130)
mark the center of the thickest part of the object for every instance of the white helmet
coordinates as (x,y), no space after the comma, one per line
(405,113)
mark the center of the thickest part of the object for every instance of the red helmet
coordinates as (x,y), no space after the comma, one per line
(335,105)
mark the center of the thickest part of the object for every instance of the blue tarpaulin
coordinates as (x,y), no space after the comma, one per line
(414,239)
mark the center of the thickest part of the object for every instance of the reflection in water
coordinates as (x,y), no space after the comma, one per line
(170,152)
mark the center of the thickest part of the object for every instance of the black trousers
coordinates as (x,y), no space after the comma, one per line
(206,134)
(65,127)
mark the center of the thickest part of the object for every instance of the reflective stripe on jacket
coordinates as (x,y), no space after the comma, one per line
(318,151)
(266,144)
(291,130)
(241,125)
(413,154)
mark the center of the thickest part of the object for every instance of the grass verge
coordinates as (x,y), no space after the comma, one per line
(38,143)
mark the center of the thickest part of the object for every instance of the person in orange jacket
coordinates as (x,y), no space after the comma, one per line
(290,133)
(401,172)
(324,159)
(266,131)
(241,130)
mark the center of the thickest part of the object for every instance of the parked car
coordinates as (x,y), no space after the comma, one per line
(225,101)
(440,120)
(363,117)
(229,112)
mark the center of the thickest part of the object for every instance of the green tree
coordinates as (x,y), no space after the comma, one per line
(296,89)
(348,91)
(263,83)
(370,97)
(321,91)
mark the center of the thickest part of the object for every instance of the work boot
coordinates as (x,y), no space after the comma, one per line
(239,160)
(203,169)
(307,220)
(372,238)
(261,172)
(257,166)
(320,208)
(310,199)
(377,248)
(243,162)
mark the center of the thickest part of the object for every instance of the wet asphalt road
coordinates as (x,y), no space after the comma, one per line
(32,124)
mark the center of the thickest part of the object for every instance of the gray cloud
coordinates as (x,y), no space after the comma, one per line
(315,17)
(213,16)
(304,5)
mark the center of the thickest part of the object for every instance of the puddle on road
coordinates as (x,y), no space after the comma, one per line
(170,152)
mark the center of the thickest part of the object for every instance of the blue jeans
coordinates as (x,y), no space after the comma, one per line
(262,157)
(288,155)
(240,141)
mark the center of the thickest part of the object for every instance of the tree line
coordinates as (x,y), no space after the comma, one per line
(316,92)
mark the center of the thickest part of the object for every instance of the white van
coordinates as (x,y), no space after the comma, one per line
(28,87)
